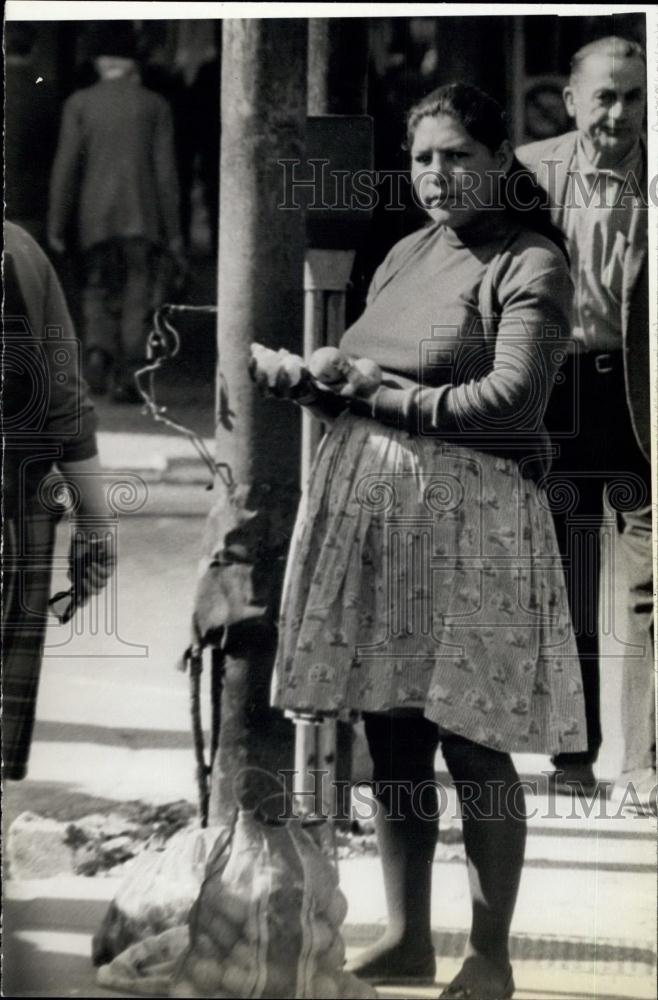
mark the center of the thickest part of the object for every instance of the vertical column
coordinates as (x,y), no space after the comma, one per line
(261,254)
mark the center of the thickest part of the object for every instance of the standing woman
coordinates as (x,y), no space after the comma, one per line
(424,587)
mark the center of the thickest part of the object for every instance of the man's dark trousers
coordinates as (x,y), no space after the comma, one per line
(600,479)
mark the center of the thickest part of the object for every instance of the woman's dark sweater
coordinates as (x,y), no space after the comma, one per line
(470,327)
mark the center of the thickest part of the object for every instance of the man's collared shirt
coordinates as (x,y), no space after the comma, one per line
(596,220)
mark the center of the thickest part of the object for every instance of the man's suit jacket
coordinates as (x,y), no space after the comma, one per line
(115,168)
(552,161)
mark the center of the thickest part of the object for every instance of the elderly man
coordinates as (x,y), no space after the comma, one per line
(595,178)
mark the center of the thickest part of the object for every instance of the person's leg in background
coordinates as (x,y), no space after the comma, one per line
(585,419)
(634,622)
(138,277)
(494,826)
(101,315)
(403,749)
(578,534)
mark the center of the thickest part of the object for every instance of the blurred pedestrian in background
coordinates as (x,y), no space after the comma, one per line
(47,420)
(114,191)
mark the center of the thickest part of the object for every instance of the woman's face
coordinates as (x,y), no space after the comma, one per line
(454,176)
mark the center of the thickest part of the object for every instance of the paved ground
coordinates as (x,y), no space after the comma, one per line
(113,725)
(583,934)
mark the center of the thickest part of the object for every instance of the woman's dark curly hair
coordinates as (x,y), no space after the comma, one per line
(484,120)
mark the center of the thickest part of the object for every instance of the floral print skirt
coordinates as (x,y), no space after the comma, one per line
(423,575)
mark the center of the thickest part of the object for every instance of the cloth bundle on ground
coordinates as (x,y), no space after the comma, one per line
(266,923)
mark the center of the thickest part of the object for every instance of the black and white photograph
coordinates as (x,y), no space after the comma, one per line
(328,368)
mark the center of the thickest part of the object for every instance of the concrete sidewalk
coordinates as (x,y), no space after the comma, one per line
(49,924)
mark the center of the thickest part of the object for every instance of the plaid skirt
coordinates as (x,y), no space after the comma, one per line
(28,546)
(423,575)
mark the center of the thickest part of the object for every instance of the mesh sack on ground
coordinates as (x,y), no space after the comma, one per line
(156,894)
(266,924)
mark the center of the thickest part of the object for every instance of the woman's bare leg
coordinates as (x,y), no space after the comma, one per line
(403,751)
(494,826)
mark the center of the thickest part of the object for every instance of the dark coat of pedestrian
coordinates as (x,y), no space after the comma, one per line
(114,181)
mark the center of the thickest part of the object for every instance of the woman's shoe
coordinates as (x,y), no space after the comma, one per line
(457,991)
(469,985)
(392,968)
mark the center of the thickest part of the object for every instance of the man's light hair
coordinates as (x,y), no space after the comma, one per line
(618,48)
